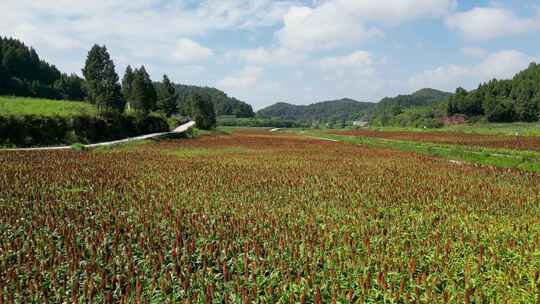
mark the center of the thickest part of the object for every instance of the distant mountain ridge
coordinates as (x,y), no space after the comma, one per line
(341,109)
(423,97)
(347,109)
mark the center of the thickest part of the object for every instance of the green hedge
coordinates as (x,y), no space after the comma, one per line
(227,121)
(32,130)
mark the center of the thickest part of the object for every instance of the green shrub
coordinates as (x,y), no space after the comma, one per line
(152,124)
(33,130)
(78,147)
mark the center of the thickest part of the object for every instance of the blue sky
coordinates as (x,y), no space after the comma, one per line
(297,51)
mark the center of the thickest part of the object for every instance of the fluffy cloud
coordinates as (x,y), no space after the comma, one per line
(332,24)
(335,23)
(187,50)
(244,13)
(246,78)
(263,55)
(136,30)
(500,65)
(357,65)
(324,27)
(397,11)
(152,16)
(358,59)
(484,23)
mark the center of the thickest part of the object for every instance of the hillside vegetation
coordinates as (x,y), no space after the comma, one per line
(496,101)
(423,108)
(39,100)
(23,73)
(333,111)
(511,100)
(516,99)
(223,104)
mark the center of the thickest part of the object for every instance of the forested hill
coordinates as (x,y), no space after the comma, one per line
(422,108)
(23,73)
(349,109)
(516,99)
(424,97)
(332,110)
(223,104)
(391,106)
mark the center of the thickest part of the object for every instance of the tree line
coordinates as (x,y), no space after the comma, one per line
(331,112)
(23,73)
(138,93)
(516,99)
(423,108)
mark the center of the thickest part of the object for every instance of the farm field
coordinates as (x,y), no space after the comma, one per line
(264,217)
(508,129)
(520,128)
(43,107)
(531,143)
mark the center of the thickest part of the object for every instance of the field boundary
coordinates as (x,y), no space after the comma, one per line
(179,130)
(502,158)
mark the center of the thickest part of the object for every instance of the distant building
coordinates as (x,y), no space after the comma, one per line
(360,123)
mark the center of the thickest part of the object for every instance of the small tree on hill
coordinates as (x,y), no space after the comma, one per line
(70,87)
(167,97)
(143,93)
(102,81)
(127,85)
(200,108)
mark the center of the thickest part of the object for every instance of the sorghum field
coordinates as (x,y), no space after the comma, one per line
(255,217)
(531,143)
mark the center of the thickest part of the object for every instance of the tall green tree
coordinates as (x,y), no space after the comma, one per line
(127,85)
(503,110)
(167,97)
(102,81)
(526,106)
(70,87)
(200,108)
(144,95)
(455,101)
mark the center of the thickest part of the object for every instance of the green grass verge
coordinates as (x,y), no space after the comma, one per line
(503,158)
(44,107)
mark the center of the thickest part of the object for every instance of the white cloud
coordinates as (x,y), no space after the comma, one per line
(246,78)
(358,59)
(335,23)
(324,27)
(484,23)
(500,65)
(187,50)
(474,52)
(262,56)
(397,11)
(244,13)
(63,30)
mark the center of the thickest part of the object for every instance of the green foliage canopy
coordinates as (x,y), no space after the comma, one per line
(102,81)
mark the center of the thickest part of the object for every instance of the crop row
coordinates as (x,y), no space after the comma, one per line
(531,143)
